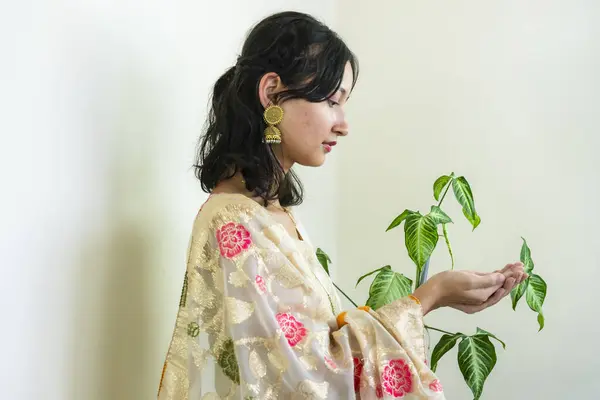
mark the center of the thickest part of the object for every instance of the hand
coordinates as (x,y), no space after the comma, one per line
(469,291)
(514,275)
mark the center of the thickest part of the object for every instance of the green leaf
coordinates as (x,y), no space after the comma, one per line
(464,195)
(421,237)
(439,185)
(387,287)
(398,220)
(439,216)
(445,344)
(536,294)
(371,273)
(486,333)
(526,257)
(324,260)
(518,292)
(448,244)
(476,359)
(540,319)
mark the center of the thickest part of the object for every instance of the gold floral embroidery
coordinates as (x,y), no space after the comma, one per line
(201,293)
(238,278)
(271,393)
(215,323)
(308,389)
(277,359)
(207,257)
(253,388)
(237,310)
(288,277)
(251,341)
(184,289)
(257,366)
(309,362)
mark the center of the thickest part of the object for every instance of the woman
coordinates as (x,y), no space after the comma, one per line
(258,317)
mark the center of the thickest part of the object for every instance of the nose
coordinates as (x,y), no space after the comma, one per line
(342,129)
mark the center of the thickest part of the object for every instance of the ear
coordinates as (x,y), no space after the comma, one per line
(269,85)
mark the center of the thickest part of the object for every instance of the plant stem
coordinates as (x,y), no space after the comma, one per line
(439,330)
(345,295)
(424,272)
(444,195)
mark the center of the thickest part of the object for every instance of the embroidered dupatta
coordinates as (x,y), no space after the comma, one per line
(257,320)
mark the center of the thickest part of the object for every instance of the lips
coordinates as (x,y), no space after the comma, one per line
(327,146)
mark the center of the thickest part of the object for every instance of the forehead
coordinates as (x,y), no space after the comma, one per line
(347,80)
(348,76)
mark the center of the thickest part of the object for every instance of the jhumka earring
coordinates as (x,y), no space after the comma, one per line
(273,116)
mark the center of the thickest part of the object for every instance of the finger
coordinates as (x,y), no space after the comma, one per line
(511,272)
(518,278)
(506,268)
(480,273)
(488,281)
(509,284)
(499,294)
(496,297)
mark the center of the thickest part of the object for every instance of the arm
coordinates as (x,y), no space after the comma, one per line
(278,332)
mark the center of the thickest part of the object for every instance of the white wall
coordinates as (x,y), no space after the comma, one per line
(508,94)
(102,105)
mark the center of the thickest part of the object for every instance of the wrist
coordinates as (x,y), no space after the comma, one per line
(428,295)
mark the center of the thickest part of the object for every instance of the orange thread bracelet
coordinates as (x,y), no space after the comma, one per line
(341,318)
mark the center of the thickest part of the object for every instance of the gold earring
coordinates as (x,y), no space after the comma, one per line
(273,116)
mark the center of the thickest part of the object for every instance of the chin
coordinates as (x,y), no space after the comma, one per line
(316,161)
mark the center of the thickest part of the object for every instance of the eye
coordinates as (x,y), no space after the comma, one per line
(332,103)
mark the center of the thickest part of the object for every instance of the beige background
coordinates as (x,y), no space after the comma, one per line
(506,93)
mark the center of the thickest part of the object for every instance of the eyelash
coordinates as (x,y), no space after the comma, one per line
(332,103)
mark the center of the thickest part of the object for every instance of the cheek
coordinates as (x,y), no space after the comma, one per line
(308,125)
(319,122)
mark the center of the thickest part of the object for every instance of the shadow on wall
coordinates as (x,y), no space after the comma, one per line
(114,295)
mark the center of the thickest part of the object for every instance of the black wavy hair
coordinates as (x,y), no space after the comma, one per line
(310,59)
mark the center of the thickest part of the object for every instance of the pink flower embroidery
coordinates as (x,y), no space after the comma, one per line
(293,329)
(358,367)
(397,379)
(436,386)
(330,362)
(260,284)
(379,392)
(233,239)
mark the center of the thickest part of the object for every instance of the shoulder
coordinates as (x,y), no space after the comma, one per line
(221,209)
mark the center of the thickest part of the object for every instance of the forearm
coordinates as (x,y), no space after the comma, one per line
(428,295)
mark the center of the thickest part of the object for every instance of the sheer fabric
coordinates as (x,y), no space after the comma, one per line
(257,320)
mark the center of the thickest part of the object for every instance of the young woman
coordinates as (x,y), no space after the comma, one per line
(258,317)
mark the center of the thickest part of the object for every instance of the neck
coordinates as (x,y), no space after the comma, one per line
(285,162)
(236,185)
